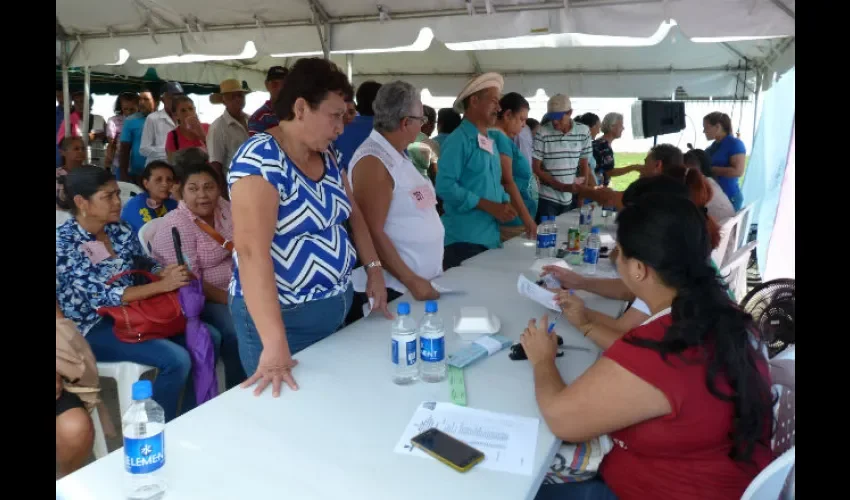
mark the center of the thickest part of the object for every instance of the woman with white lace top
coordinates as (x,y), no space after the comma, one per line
(398,203)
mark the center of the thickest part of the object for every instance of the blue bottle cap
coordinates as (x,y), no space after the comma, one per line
(143,389)
(594,230)
(403,308)
(431,306)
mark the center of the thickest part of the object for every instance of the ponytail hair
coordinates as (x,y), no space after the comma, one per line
(721,118)
(667,234)
(700,192)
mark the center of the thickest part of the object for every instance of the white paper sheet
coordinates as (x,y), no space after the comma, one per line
(544,297)
(507,441)
(446,290)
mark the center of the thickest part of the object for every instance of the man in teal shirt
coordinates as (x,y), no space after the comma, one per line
(469,175)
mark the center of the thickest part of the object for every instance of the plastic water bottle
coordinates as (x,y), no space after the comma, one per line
(553,238)
(591,251)
(542,238)
(144,445)
(585,218)
(404,346)
(432,340)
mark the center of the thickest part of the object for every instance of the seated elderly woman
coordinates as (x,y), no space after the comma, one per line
(155,201)
(206,230)
(599,327)
(93,247)
(395,198)
(686,396)
(187,158)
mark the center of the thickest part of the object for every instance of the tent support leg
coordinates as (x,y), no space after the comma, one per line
(349,67)
(66,90)
(756,96)
(84,127)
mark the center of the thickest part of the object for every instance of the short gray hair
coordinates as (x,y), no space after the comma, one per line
(610,120)
(393,102)
(189,156)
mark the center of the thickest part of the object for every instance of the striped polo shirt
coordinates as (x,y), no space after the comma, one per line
(560,154)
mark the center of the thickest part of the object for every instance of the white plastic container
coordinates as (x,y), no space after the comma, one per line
(474,322)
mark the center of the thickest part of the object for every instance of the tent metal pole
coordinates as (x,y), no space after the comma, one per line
(66,90)
(756,103)
(84,126)
(349,67)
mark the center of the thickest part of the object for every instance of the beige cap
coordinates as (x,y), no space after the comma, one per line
(477,84)
(226,87)
(559,103)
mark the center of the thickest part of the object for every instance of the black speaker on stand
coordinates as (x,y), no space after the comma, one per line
(654,118)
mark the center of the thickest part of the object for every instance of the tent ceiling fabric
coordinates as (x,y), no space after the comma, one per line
(222,27)
(651,71)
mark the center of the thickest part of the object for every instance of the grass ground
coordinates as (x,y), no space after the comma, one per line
(624,160)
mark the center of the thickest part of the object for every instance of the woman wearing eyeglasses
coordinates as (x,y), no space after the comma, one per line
(395,197)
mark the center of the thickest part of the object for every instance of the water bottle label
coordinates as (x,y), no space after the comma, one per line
(591,255)
(541,240)
(408,353)
(146,455)
(433,350)
(552,241)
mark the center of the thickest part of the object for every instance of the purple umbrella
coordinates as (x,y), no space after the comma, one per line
(198,340)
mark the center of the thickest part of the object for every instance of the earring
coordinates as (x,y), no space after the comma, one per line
(84,214)
(637,276)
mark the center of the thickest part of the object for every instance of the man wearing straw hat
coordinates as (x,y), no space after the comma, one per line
(229,130)
(469,175)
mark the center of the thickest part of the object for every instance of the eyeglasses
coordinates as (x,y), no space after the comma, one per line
(423,119)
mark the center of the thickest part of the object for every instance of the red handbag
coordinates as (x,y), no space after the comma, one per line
(156,317)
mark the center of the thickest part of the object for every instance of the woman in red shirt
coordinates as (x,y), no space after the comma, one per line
(686,396)
(190,132)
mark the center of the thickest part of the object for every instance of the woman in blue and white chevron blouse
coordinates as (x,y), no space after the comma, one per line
(291,283)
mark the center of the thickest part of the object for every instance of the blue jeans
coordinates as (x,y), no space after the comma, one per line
(592,489)
(168,356)
(305,324)
(218,315)
(455,253)
(551,209)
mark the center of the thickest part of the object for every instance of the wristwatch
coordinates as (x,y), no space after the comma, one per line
(374,263)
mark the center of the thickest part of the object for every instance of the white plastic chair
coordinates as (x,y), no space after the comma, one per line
(734,273)
(733,235)
(744,221)
(128,190)
(125,374)
(147,232)
(769,483)
(100,450)
(782,375)
(61,217)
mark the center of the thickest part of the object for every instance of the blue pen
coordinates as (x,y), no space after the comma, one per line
(561,313)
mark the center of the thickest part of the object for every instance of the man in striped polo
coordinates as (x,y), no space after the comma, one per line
(562,148)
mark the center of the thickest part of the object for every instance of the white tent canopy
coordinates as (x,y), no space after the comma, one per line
(652,67)
(98,30)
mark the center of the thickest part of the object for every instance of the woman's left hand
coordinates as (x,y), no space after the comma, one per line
(539,344)
(376,290)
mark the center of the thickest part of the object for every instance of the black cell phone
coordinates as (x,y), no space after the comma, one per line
(452,452)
